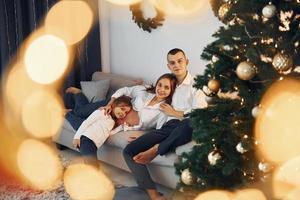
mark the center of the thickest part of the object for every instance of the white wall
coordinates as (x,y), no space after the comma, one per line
(138,53)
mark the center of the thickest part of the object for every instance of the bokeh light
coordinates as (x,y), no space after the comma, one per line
(86,182)
(179,7)
(277,127)
(292,195)
(289,172)
(214,195)
(69,20)
(39,164)
(42,113)
(124,2)
(46,59)
(249,194)
(18,86)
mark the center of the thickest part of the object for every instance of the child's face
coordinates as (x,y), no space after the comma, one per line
(177,64)
(163,88)
(120,111)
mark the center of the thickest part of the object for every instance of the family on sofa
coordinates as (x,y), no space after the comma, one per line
(160,109)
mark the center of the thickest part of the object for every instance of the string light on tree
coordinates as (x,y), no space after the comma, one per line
(223,11)
(245,70)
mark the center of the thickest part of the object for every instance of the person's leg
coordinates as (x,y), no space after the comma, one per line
(83,109)
(182,134)
(74,120)
(88,150)
(140,171)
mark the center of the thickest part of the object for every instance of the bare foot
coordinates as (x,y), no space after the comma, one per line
(147,156)
(155,195)
(73,90)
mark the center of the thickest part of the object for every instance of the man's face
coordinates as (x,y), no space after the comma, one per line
(121,111)
(178,64)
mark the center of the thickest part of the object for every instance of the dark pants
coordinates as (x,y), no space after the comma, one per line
(88,150)
(82,108)
(173,134)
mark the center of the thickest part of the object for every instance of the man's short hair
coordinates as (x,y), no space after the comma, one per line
(175,51)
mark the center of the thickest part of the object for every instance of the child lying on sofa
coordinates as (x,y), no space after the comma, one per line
(94,131)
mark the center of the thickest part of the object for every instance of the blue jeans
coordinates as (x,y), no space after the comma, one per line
(88,150)
(173,134)
(82,109)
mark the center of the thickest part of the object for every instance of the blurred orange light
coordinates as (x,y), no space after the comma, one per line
(86,182)
(46,59)
(214,195)
(249,194)
(39,164)
(42,114)
(69,20)
(124,2)
(277,127)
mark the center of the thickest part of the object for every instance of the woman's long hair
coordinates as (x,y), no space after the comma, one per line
(173,82)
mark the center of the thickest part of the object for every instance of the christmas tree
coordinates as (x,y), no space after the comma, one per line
(257,46)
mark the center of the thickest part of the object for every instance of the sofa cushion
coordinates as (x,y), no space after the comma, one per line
(185,148)
(116,81)
(95,90)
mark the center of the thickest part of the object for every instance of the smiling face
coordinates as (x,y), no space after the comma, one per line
(163,88)
(120,111)
(177,64)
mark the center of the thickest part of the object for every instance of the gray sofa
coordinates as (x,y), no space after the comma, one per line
(161,168)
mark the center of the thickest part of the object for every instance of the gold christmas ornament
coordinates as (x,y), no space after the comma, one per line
(245,71)
(282,62)
(187,177)
(214,85)
(269,11)
(223,10)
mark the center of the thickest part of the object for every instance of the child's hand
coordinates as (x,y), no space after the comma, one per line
(76,143)
(107,109)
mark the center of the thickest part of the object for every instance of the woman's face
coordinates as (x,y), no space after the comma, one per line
(163,88)
(120,111)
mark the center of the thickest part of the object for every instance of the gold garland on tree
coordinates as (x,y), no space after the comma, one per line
(149,23)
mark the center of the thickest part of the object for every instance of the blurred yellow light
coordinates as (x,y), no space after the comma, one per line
(277,127)
(214,195)
(249,194)
(179,7)
(292,195)
(289,172)
(39,164)
(42,113)
(18,87)
(69,20)
(124,2)
(46,59)
(280,189)
(86,182)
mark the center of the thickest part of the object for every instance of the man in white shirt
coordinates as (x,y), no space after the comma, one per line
(175,132)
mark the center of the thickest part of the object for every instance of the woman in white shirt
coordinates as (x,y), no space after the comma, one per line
(146,101)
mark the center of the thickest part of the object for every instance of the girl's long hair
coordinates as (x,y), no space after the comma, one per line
(173,82)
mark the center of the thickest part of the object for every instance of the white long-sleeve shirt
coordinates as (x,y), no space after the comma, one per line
(150,116)
(96,127)
(186,97)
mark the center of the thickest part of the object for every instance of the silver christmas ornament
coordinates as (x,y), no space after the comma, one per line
(282,62)
(187,177)
(255,111)
(227,48)
(209,99)
(245,71)
(264,167)
(213,157)
(269,11)
(239,147)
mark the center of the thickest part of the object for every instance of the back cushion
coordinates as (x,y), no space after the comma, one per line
(116,81)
